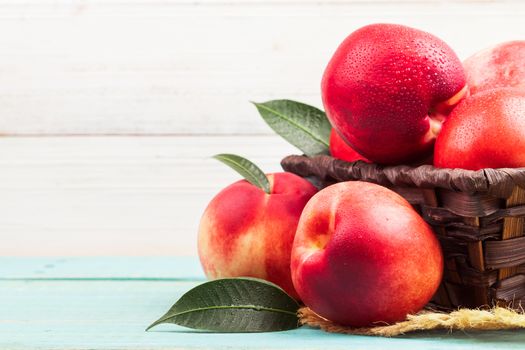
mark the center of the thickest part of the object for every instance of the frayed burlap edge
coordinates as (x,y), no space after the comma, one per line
(497,318)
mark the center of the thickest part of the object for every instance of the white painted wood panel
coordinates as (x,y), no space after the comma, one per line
(190,67)
(115,195)
(160,86)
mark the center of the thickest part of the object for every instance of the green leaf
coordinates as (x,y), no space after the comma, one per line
(234,305)
(251,172)
(304,126)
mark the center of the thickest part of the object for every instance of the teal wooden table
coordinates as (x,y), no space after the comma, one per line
(105,303)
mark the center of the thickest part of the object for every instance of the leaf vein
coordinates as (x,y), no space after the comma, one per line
(292,122)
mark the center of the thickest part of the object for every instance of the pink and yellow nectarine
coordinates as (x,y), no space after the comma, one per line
(247,232)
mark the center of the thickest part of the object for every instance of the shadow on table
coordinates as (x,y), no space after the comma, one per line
(199,331)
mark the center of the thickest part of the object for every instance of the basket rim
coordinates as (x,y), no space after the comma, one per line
(496,182)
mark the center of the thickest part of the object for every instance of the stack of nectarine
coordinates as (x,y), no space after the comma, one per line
(358,253)
(389,91)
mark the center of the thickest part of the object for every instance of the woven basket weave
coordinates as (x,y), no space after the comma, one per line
(478,217)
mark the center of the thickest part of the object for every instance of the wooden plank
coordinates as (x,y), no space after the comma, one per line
(475,254)
(80,314)
(101,268)
(170,67)
(128,3)
(513,227)
(115,196)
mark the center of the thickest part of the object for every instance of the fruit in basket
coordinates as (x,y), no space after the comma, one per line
(388,89)
(247,232)
(341,150)
(487,130)
(502,65)
(362,255)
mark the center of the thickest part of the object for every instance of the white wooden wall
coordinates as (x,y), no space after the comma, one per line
(110,110)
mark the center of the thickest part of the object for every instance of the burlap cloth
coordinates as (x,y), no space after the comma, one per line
(497,318)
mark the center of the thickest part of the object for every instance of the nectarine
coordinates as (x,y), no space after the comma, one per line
(341,150)
(246,232)
(387,90)
(486,130)
(502,65)
(362,255)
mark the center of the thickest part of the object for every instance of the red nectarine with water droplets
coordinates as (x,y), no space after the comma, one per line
(363,255)
(502,65)
(486,130)
(388,88)
(341,150)
(247,232)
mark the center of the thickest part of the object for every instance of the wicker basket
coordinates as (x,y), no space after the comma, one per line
(478,216)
